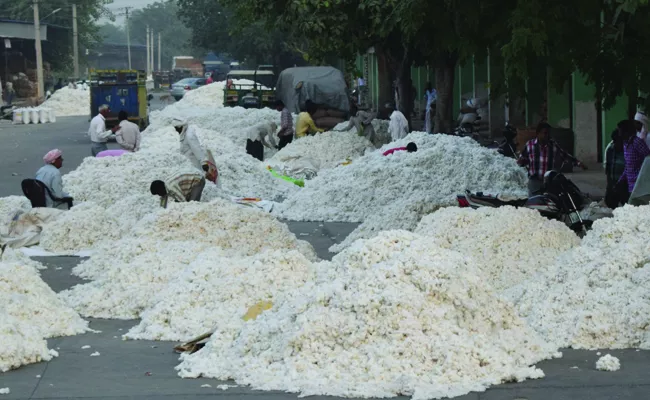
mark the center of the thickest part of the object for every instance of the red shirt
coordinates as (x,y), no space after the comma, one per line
(391,151)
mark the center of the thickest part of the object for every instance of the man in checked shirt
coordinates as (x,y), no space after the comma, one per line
(180,187)
(286,125)
(540,155)
(635,151)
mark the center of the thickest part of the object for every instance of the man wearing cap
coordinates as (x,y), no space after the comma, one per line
(190,145)
(98,133)
(50,175)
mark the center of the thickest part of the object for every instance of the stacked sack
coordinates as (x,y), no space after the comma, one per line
(328,118)
(33,115)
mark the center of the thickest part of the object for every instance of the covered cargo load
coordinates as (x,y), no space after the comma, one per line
(324,86)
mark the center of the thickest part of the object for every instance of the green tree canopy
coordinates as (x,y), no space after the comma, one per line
(607,41)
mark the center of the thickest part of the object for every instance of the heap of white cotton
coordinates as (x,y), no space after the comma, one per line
(212,95)
(215,292)
(25,296)
(88,225)
(324,150)
(128,274)
(67,102)
(395,191)
(443,167)
(107,180)
(510,244)
(596,295)
(30,312)
(9,206)
(391,316)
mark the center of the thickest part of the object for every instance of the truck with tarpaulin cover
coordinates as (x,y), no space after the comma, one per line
(324,86)
(120,90)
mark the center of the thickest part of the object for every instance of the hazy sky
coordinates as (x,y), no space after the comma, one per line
(117,7)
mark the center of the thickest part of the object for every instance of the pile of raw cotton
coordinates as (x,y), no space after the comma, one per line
(88,225)
(129,273)
(66,102)
(510,244)
(228,122)
(391,316)
(29,313)
(212,95)
(596,295)
(216,291)
(321,151)
(9,206)
(395,191)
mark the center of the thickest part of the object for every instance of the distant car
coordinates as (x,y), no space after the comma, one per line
(179,88)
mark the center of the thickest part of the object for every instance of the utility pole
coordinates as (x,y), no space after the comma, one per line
(148,56)
(128,36)
(39,52)
(159,69)
(75,41)
(153,66)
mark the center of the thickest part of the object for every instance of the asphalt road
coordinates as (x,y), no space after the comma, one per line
(143,370)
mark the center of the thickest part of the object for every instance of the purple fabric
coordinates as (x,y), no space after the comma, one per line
(635,152)
(111,153)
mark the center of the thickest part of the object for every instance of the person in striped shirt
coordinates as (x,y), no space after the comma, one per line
(540,155)
(180,187)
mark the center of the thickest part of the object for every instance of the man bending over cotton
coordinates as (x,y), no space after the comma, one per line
(180,187)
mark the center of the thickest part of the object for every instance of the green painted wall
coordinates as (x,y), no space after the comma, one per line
(559,106)
(612,117)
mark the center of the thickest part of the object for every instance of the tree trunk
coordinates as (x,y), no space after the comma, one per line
(405,90)
(445,74)
(385,77)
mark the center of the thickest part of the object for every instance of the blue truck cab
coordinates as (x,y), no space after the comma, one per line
(120,90)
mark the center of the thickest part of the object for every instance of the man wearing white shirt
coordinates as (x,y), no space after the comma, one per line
(98,133)
(129,135)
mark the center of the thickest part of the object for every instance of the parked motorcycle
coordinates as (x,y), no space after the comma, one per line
(559,199)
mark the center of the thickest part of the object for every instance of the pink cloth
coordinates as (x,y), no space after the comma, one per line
(391,151)
(52,156)
(111,153)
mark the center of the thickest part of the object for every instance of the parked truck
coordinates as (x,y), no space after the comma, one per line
(120,90)
(259,92)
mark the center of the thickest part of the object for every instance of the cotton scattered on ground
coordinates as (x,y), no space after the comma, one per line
(596,296)
(216,291)
(511,244)
(128,274)
(67,102)
(95,354)
(608,363)
(390,316)
(5,390)
(30,312)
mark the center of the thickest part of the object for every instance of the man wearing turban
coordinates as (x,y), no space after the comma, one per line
(50,175)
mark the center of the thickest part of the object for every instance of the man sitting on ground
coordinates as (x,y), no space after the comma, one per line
(128,137)
(411,148)
(305,124)
(50,176)
(181,187)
